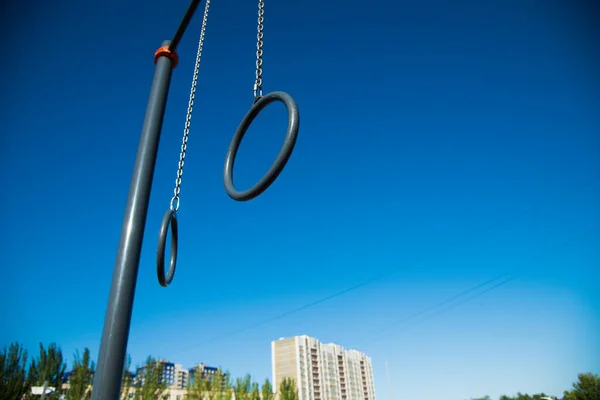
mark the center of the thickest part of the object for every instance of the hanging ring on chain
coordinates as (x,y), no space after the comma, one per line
(170,219)
(282,157)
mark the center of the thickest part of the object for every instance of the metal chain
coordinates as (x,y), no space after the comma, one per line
(259,51)
(188,119)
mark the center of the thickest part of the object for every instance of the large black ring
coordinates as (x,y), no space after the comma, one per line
(282,157)
(170,219)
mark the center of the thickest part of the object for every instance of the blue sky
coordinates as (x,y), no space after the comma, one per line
(441,145)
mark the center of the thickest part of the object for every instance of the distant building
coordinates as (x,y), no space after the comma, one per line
(173,375)
(181,378)
(322,371)
(67,376)
(203,371)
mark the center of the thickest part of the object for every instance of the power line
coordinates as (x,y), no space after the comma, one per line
(567,243)
(285,314)
(436,306)
(445,310)
(475,234)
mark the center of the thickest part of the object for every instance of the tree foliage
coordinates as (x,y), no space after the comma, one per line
(17,377)
(151,384)
(227,392)
(214,387)
(13,372)
(587,387)
(242,388)
(288,390)
(518,396)
(49,366)
(267,390)
(81,380)
(198,390)
(127,379)
(255,391)
(219,386)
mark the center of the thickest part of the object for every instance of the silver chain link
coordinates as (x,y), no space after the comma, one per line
(259,51)
(188,119)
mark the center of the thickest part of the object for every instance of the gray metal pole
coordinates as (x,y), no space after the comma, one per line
(187,17)
(113,347)
(44,390)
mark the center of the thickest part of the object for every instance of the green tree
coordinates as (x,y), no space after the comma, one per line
(48,366)
(288,390)
(199,388)
(220,388)
(13,366)
(522,396)
(242,387)
(212,387)
(127,379)
(539,396)
(227,386)
(151,384)
(81,380)
(267,390)
(215,385)
(255,391)
(587,387)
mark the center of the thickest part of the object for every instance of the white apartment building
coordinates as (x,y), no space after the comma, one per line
(180,377)
(173,375)
(322,371)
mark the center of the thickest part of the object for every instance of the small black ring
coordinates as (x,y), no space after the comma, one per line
(283,156)
(170,219)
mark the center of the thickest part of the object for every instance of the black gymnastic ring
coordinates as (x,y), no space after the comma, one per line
(170,219)
(282,157)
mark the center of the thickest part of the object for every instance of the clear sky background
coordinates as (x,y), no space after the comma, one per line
(442,144)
